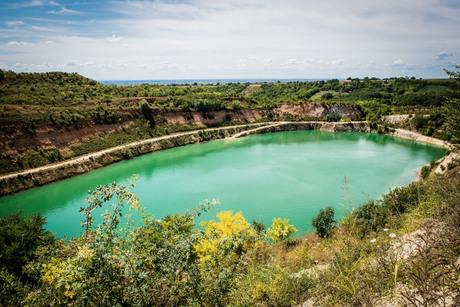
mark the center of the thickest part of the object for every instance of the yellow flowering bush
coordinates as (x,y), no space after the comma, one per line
(232,231)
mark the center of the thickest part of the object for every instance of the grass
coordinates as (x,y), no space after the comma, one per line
(317,96)
(352,268)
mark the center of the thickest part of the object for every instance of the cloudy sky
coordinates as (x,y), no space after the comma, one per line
(192,39)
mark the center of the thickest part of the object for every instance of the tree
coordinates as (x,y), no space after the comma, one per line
(327,96)
(259,227)
(454,74)
(324,222)
(280,230)
(19,237)
(147,112)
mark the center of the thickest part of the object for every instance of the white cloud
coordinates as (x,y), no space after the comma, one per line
(64,11)
(258,38)
(114,39)
(33,3)
(443,55)
(16,43)
(338,62)
(14,23)
(399,62)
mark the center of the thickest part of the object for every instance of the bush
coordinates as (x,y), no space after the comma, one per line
(327,96)
(259,227)
(404,199)
(324,222)
(332,118)
(19,237)
(280,230)
(426,170)
(369,217)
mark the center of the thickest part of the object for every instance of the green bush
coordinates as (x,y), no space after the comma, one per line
(425,172)
(259,227)
(332,118)
(327,96)
(280,230)
(324,222)
(20,235)
(403,199)
(369,217)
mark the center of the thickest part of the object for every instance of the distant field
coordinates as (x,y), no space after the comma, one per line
(318,96)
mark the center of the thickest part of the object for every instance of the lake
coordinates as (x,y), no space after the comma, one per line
(286,174)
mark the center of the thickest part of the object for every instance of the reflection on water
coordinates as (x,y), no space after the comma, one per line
(285,174)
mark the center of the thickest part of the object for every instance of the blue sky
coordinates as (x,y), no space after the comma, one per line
(192,39)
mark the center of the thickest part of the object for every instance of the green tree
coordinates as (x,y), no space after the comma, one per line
(147,112)
(259,227)
(324,222)
(327,96)
(280,230)
(454,74)
(20,235)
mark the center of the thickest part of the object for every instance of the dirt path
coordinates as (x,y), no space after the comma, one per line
(102,152)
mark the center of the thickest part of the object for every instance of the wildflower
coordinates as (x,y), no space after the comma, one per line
(385,229)
(373,240)
(392,235)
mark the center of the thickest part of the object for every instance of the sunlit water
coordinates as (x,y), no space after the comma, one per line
(288,174)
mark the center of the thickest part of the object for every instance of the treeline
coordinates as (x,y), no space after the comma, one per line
(57,98)
(57,88)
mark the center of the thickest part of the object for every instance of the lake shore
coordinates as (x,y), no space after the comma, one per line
(16,182)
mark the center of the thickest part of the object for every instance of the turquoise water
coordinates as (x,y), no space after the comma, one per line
(287,174)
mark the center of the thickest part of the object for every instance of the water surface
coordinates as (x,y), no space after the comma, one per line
(287,174)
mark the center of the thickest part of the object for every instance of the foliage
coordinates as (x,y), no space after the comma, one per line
(451,120)
(454,74)
(259,227)
(232,231)
(369,217)
(20,235)
(433,268)
(425,172)
(324,222)
(280,230)
(332,118)
(327,96)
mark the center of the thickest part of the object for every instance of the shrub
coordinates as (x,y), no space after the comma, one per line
(259,227)
(324,222)
(19,237)
(332,118)
(280,230)
(369,217)
(327,96)
(426,170)
(403,199)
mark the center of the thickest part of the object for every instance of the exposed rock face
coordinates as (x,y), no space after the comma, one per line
(250,115)
(394,119)
(319,110)
(59,137)
(63,137)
